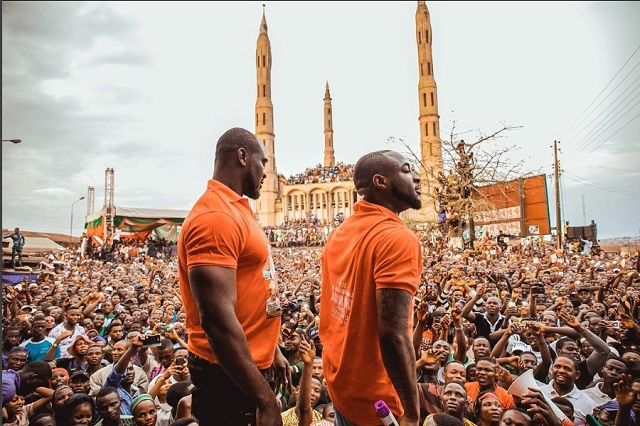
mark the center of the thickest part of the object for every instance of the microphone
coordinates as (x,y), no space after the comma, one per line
(385,414)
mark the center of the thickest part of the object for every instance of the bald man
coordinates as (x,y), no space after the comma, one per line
(226,280)
(371,268)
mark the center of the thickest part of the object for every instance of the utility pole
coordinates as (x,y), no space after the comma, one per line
(556,172)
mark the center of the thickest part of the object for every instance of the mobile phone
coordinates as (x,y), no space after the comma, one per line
(151,341)
(180,361)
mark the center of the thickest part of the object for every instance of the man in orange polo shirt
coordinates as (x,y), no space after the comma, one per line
(226,280)
(371,268)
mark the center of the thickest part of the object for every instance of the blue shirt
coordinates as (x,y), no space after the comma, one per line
(114,379)
(38,350)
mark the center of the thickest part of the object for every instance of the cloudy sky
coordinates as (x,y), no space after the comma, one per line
(147,88)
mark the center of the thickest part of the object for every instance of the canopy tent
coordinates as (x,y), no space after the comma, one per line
(138,223)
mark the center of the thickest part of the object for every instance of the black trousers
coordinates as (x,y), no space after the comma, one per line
(216,399)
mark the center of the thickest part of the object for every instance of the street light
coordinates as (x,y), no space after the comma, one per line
(12,140)
(71,228)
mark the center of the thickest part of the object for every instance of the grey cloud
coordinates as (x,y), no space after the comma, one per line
(122,58)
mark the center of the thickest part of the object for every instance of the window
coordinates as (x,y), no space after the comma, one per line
(426,129)
(264,118)
(264,90)
(426,32)
(424,99)
(435,132)
(419,38)
(432,101)
(421,73)
(263,61)
(428,68)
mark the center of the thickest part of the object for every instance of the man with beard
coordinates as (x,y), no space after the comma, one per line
(371,268)
(292,340)
(565,372)
(227,276)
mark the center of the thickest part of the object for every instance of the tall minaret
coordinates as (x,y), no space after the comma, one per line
(329,155)
(430,145)
(266,205)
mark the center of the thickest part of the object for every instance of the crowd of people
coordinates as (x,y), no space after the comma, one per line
(115,341)
(322,174)
(298,233)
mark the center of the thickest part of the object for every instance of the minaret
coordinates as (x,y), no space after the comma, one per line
(329,155)
(266,205)
(430,145)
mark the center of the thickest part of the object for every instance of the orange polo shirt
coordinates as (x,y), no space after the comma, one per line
(506,400)
(371,250)
(221,230)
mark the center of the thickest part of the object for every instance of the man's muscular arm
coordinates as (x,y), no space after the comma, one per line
(394,311)
(215,295)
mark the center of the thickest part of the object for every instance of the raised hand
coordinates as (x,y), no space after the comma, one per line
(422,311)
(625,395)
(307,351)
(627,321)
(570,320)
(430,356)
(481,289)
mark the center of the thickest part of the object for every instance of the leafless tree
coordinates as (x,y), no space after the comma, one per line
(467,167)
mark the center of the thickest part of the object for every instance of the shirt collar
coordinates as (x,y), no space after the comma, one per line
(217,186)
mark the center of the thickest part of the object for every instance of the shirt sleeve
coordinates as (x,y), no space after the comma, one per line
(214,238)
(114,379)
(397,262)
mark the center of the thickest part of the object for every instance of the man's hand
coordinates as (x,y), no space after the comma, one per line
(307,351)
(625,395)
(429,357)
(65,334)
(281,369)
(138,340)
(481,289)
(269,415)
(539,409)
(570,320)
(423,311)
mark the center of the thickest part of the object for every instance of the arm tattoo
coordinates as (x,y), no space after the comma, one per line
(395,308)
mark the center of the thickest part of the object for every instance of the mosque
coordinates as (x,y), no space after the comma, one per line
(282,201)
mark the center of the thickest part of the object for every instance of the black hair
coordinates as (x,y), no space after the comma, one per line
(368,166)
(234,139)
(442,419)
(35,419)
(106,391)
(73,402)
(176,392)
(185,421)
(41,368)
(562,342)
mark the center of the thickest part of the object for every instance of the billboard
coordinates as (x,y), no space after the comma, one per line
(519,207)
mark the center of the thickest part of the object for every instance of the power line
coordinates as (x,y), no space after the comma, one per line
(613,168)
(617,131)
(586,137)
(605,87)
(600,186)
(601,131)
